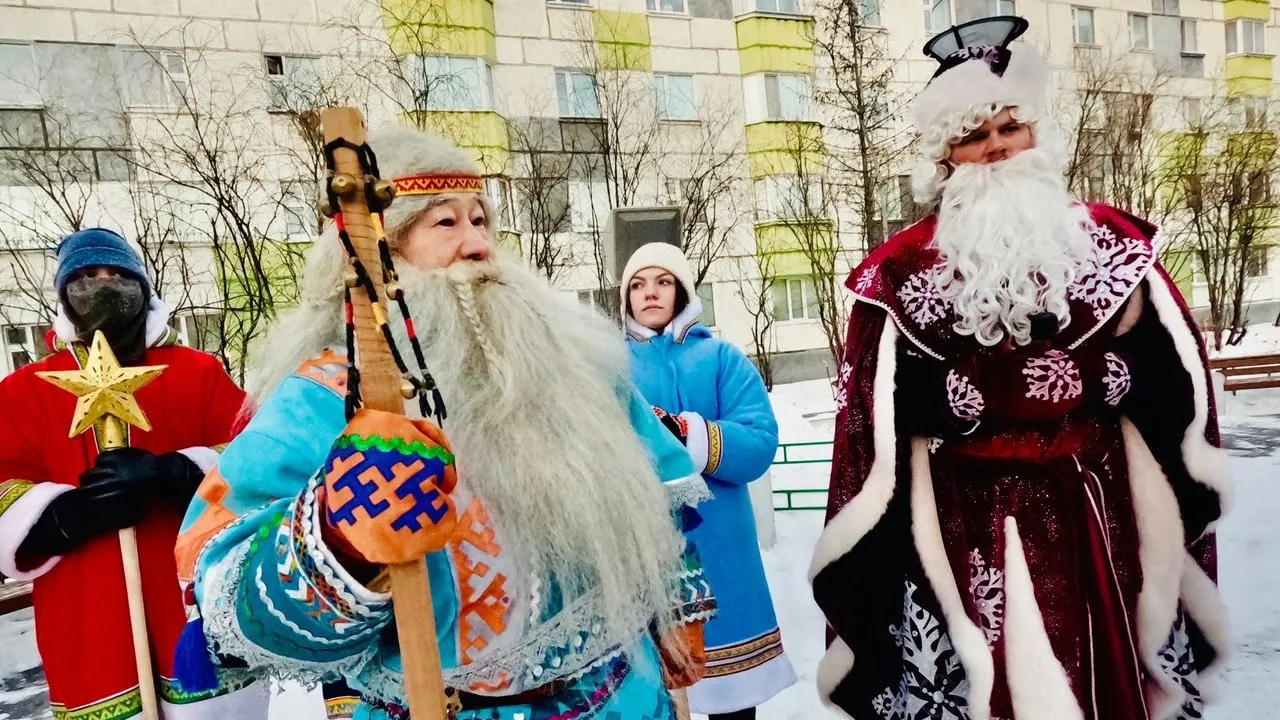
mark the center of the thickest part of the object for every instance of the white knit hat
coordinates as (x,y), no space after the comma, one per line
(660,255)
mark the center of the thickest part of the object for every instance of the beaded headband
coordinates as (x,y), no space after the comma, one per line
(436,184)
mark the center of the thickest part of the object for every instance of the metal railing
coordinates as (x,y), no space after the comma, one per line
(799,498)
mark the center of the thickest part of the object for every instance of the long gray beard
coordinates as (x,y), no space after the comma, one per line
(1011,240)
(536,388)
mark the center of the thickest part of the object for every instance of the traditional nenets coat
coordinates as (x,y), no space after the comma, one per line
(81,604)
(1022,530)
(717,394)
(515,643)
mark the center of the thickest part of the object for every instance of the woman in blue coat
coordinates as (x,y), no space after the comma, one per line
(712,398)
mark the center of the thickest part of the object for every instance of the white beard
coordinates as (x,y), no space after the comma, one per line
(1011,240)
(537,391)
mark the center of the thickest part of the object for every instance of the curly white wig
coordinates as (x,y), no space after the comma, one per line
(966,96)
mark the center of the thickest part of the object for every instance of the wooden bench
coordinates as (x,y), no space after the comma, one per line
(1248,373)
(14,596)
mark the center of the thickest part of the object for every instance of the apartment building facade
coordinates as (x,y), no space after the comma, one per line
(573,107)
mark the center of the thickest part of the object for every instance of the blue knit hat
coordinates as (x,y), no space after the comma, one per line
(97,247)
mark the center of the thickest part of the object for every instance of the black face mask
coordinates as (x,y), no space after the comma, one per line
(115,305)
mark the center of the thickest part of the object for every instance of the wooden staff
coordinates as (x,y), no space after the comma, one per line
(105,402)
(380,389)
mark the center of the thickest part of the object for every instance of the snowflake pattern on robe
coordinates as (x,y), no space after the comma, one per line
(865,280)
(1053,377)
(1117,379)
(922,298)
(1177,661)
(986,586)
(933,685)
(965,400)
(1114,267)
(842,391)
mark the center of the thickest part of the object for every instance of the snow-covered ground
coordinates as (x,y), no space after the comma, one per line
(1249,569)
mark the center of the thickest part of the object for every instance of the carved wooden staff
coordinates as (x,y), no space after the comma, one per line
(105,402)
(381,389)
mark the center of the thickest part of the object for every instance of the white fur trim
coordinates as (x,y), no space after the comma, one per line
(1206,463)
(834,666)
(697,442)
(865,510)
(1038,685)
(17,522)
(247,703)
(966,637)
(204,458)
(960,90)
(690,491)
(158,315)
(1203,602)
(1160,552)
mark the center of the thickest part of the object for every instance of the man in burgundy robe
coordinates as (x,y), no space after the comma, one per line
(62,502)
(1026,476)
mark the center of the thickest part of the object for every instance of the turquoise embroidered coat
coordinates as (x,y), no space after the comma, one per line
(273,595)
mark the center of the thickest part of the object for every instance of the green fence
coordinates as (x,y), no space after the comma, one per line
(800,498)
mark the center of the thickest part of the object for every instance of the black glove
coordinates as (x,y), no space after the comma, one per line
(675,424)
(73,518)
(171,478)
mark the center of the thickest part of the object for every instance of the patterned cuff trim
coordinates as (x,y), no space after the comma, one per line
(715,448)
(321,567)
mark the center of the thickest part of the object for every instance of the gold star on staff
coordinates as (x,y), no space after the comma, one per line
(104,392)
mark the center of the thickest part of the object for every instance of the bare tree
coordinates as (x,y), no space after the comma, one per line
(541,185)
(864,108)
(809,225)
(755,278)
(1219,177)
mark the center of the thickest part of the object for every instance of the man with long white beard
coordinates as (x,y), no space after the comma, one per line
(559,565)
(1026,476)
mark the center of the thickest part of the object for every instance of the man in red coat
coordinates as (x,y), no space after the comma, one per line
(62,503)
(1026,475)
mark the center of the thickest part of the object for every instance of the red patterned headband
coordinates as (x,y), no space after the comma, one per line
(436,184)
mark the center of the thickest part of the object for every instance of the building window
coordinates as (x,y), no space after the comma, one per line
(869,13)
(576,93)
(1139,32)
(1006,7)
(1164,7)
(25,344)
(201,330)
(588,205)
(673,97)
(28,157)
(937,15)
(665,6)
(1192,111)
(1254,110)
(298,210)
(1083,21)
(706,293)
(786,97)
(499,191)
(20,82)
(1246,36)
(452,83)
(789,198)
(1255,261)
(154,78)
(294,82)
(789,7)
(608,301)
(794,299)
(1190,45)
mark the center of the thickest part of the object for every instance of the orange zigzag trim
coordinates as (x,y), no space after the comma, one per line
(436,184)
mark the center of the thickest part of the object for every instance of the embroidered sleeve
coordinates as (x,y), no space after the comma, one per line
(281,601)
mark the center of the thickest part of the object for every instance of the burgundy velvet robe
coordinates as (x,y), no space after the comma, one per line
(1052,555)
